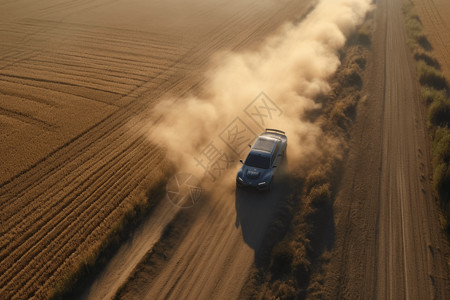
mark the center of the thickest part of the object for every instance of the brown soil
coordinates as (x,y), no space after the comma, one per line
(74,79)
(389,244)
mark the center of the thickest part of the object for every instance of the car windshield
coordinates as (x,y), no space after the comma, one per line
(258,161)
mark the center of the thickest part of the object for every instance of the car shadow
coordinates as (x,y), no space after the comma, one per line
(255,209)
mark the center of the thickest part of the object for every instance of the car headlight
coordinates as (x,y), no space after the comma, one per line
(262,183)
(240,179)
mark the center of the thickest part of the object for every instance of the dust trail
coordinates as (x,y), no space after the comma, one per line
(291,67)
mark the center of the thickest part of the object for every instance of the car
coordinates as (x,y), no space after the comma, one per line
(265,156)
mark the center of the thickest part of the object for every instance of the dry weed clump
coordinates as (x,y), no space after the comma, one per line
(435,91)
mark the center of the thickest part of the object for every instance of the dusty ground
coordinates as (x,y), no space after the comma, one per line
(74,77)
(389,244)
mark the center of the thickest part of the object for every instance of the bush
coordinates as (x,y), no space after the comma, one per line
(430,95)
(283,290)
(364,35)
(351,78)
(430,61)
(320,196)
(430,76)
(414,29)
(282,257)
(441,162)
(439,113)
(318,176)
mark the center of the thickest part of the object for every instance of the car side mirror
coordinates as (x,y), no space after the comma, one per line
(241,161)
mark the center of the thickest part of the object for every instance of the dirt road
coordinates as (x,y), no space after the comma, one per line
(75,77)
(388,239)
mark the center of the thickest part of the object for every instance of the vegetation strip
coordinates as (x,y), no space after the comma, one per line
(288,264)
(436,94)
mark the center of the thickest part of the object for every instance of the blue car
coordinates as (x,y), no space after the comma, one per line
(265,155)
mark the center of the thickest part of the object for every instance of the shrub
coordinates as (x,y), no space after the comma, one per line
(351,78)
(364,35)
(320,196)
(430,95)
(414,29)
(301,269)
(439,113)
(430,76)
(430,61)
(441,162)
(318,176)
(282,257)
(283,290)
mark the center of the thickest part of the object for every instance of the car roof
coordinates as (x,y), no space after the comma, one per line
(265,144)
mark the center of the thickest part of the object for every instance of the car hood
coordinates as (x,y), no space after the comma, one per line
(255,175)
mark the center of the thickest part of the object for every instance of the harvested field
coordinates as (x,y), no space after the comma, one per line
(434,16)
(75,78)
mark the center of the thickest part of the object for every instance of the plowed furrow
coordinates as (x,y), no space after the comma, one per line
(127,63)
(86,93)
(82,74)
(111,32)
(68,79)
(62,84)
(26,118)
(96,69)
(14,90)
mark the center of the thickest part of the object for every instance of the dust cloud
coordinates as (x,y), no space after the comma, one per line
(291,68)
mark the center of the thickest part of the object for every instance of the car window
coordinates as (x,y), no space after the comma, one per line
(274,155)
(257,161)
